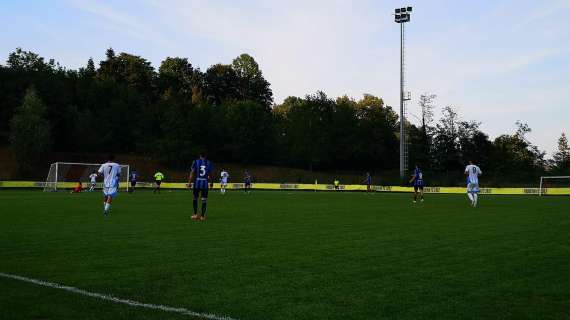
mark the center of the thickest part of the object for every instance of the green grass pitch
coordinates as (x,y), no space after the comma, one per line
(287,255)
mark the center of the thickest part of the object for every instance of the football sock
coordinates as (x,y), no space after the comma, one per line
(107,206)
(203,207)
(475,196)
(470,195)
(195,206)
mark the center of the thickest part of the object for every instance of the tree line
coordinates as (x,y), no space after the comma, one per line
(124,105)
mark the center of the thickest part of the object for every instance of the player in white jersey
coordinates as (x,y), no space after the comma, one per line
(93,179)
(472,172)
(111,172)
(224,176)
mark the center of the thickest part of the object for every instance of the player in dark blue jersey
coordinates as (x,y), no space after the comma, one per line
(368,182)
(133,179)
(418,182)
(199,181)
(247,182)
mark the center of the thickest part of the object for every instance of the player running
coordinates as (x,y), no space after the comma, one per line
(224,176)
(199,181)
(93,179)
(473,172)
(247,182)
(368,182)
(133,179)
(111,172)
(418,182)
(158,177)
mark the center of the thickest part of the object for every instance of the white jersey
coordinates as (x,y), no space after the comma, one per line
(224,177)
(111,172)
(473,172)
(93,177)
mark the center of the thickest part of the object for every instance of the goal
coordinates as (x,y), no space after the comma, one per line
(64,175)
(554,184)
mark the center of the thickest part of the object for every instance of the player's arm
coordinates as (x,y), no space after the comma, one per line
(192,174)
(100,171)
(191,178)
(413,178)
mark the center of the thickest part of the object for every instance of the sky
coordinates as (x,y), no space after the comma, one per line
(495,61)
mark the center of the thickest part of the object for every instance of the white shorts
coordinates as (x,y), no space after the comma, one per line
(472,187)
(110,191)
(224,183)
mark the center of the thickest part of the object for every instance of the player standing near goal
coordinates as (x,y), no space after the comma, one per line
(247,182)
(158,177)
(133,179)
(224,176)
(111,172)
(418,182)
(199,180)
(93,179)
(473,172)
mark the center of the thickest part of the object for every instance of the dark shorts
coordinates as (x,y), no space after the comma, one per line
(158,182)
(133,183)
(197,193)
(247,184)
(416,188)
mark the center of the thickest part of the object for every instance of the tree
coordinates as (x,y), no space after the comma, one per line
(177,74)
(29,61)
(89,72)
(562,156)
(252,84)
(426,104)
(30,132)
(128,69)
(221,84)
(446,149)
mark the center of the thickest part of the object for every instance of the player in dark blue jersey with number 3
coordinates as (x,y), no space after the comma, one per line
(418,181)
(200,180)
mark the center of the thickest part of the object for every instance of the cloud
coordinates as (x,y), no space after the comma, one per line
(118,21)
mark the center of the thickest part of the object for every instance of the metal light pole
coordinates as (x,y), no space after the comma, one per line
(402,15)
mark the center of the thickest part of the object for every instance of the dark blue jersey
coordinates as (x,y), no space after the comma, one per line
(368,180)
(202,169)
(134,176)
(418,178)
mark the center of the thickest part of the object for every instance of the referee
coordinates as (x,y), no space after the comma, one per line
(158,177)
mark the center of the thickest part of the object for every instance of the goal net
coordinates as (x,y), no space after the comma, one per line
(65,175)
(554,185)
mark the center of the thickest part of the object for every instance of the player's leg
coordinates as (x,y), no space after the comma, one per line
(475,194)
(470,193)
(195,194)
(111,193)
(204,193)
(422,193)
(415,193)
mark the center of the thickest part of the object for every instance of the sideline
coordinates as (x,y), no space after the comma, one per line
(106,297)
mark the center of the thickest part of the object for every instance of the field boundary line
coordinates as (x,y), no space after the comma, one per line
(107,297)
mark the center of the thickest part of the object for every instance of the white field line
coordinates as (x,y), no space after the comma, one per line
(107,297)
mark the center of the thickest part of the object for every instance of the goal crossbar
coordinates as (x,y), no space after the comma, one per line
(61,174)
(540,187)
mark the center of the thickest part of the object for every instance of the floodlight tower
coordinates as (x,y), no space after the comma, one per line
(402,15)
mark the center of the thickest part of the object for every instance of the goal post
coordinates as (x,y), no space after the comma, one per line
(547,182)
(64,175)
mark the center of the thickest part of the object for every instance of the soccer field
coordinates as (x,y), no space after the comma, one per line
(286,255)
